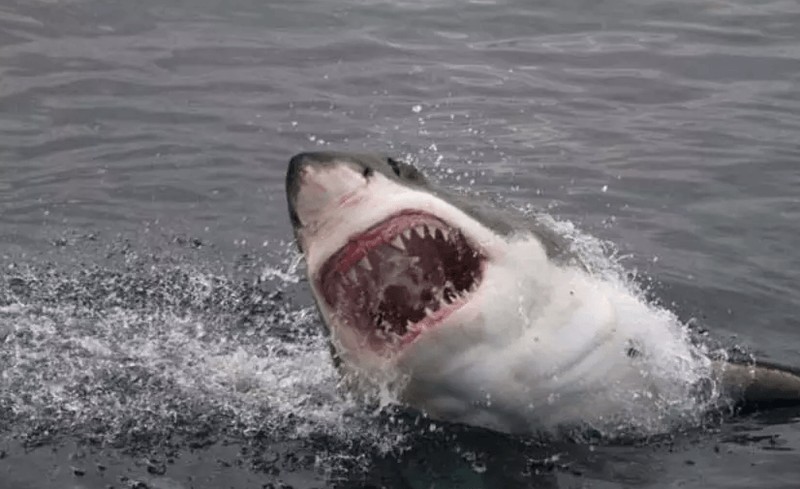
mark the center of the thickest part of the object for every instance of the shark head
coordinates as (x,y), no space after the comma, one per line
(389,257)
(476,314)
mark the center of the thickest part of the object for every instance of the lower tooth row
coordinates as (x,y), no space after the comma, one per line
(384,331)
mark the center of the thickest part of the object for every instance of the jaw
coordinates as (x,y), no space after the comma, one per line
(400,277)
(392,263)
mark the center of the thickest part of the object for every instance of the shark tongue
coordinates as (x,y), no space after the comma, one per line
(397,274)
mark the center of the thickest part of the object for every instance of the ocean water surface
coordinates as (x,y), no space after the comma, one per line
(156,328)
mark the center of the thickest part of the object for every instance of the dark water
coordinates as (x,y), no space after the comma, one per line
(155,330)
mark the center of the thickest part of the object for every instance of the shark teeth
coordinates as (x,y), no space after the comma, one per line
(421,231)
(365,264)
(398,243)
(448,298)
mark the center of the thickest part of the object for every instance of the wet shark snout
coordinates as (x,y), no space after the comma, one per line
(316,185)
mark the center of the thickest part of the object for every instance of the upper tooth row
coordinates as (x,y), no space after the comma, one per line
(398,243)
(421,231)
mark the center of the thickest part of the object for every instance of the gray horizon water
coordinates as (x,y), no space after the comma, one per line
(152,317)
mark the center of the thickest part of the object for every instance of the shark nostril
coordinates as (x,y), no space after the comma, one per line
(367,172)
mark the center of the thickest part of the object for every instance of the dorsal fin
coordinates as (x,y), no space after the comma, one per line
(760,385)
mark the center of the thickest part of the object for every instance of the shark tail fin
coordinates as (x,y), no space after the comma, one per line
(761,385)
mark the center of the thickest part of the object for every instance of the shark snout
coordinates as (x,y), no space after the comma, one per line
(318,183)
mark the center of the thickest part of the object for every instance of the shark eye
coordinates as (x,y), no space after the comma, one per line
(394,165)
(367,172)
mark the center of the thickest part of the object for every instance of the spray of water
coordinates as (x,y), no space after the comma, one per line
(150,350)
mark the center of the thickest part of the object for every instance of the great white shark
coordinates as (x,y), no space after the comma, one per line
(477,315)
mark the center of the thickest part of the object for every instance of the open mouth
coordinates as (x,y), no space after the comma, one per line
(399,277)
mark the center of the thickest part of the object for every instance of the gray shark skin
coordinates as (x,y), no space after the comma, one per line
(476,315)
(406,174)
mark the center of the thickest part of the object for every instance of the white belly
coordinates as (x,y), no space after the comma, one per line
(556,349)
